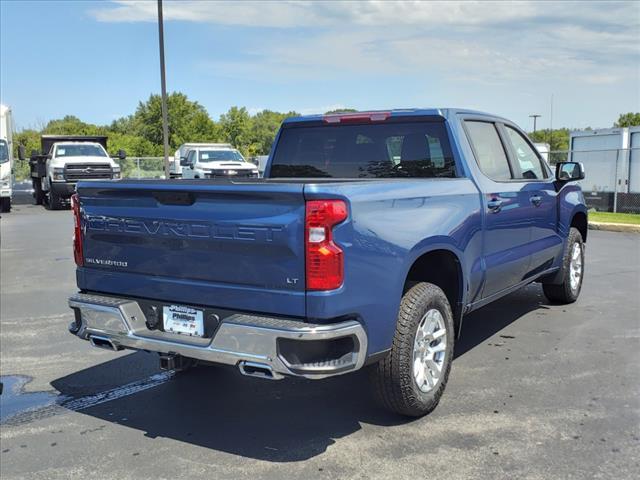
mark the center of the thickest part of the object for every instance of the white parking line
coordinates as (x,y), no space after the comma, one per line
(78,404)
(118,392)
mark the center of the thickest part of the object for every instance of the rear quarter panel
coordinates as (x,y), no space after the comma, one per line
(391,224)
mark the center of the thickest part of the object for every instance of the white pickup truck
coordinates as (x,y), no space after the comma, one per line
(219,161)
(179,158)
(64,161)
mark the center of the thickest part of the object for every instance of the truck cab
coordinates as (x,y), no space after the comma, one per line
(217,162)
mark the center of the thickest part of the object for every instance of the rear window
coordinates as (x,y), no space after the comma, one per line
(389,150)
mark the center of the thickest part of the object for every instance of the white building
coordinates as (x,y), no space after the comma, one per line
(611,158)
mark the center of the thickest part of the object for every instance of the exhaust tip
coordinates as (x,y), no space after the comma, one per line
(103,342)
(260,370)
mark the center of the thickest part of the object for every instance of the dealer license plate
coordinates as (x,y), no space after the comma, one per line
(183,320)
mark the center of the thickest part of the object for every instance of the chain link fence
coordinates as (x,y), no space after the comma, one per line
(612,177)
(142,167)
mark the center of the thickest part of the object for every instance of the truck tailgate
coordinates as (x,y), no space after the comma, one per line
(226,245)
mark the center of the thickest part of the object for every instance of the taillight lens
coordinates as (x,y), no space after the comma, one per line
(324,259)
(77,231)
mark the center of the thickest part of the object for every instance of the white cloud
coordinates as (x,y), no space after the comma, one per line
(492,41)
(290,13)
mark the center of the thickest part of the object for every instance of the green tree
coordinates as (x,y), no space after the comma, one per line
(71,125)
(558,139)
(135,146)
(263,129)
(188,121)
(628,120)
(125,125)
(30,139)
(235,126)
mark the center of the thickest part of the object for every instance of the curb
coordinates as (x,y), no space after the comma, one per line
(615,227)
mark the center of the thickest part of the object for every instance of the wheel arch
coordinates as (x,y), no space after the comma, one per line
(579,221)
(440,266)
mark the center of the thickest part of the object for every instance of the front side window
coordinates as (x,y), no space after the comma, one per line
(386,150)
(488,149)
(528,161)
(218,155)
(191,157)
(80,150)
(4,151)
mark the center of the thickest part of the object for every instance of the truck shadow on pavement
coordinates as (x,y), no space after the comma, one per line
(284,421)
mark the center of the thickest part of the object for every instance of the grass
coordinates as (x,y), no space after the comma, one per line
(606,217)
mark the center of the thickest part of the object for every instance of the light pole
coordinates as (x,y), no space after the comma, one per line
(165,124)
(535,117)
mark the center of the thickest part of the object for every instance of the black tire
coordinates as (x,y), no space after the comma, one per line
(54,202)
(393,377)
(38,194)
(5,205)
(564,292)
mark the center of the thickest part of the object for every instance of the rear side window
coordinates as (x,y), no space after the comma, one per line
(528,161)
(489,151)
(389,150)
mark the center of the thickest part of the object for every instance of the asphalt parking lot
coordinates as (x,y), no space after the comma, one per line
(536,391)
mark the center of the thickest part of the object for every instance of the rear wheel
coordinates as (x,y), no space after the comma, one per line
(411,379)
(573,272)
(38,194)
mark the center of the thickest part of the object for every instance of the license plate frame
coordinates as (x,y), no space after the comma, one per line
(183,320)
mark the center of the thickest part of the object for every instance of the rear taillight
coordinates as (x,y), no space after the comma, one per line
(324,259)
(77,231)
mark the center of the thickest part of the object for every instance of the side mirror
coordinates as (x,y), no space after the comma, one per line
(122,154)
(191,166)
(22,152)
(569,171)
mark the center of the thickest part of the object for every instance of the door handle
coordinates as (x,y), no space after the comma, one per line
(536,200)
(494,205)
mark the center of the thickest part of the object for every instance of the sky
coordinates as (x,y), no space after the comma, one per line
(98,59)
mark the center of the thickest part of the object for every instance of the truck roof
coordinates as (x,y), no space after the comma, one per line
(46,141)
(403,112)
(77,143)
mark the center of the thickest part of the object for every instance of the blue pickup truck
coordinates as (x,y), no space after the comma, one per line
(369,239)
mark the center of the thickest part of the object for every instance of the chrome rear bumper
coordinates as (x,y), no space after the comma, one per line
(239,340)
